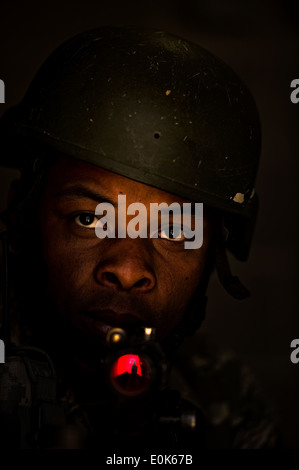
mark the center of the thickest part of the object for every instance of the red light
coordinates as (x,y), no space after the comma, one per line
(131,374)
(129,363)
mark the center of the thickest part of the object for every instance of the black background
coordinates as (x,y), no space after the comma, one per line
(260,41)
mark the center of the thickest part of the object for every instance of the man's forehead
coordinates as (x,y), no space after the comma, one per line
(70,175)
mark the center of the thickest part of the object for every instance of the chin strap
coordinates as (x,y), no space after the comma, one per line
(231,284)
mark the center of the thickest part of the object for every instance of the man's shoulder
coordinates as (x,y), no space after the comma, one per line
(228,394)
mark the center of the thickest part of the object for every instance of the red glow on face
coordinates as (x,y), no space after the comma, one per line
(129,363)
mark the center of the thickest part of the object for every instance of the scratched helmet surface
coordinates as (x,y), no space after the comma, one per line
(154,108)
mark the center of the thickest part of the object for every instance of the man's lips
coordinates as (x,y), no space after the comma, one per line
(97,323)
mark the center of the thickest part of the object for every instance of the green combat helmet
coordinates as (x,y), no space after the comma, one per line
(151,107)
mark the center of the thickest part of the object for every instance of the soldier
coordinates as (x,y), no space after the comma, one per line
(121,111)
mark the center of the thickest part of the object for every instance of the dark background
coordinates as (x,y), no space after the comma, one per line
(260,41)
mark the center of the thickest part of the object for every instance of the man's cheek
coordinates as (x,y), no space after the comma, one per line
(68,269)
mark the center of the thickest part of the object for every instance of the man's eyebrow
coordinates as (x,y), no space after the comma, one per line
(80,191)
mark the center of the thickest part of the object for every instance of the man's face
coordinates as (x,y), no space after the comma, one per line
(98,283)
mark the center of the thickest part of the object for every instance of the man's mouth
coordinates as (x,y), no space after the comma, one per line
(97,323)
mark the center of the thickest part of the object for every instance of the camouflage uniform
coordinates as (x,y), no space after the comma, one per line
(234,414)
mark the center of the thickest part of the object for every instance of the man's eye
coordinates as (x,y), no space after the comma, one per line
(174,233)
(86,220)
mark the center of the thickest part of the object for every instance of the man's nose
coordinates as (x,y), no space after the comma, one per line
(127,265)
